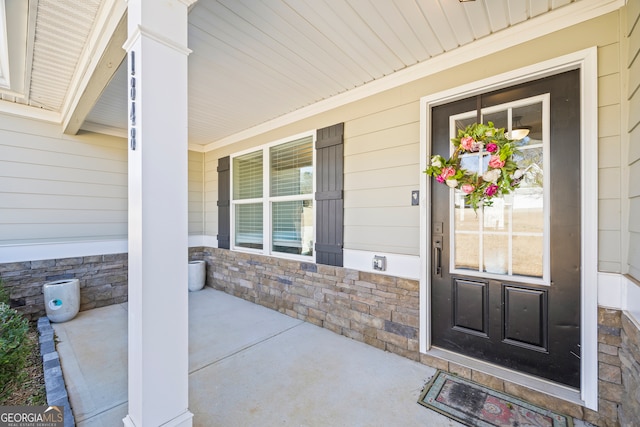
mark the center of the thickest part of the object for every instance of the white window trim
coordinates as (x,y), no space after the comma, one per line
(267,200)
(585,61)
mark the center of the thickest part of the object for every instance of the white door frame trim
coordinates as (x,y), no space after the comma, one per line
(586,61)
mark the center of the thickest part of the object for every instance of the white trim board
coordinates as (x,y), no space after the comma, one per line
(209,241)
(59,250)
(611,290)
(398,265)
(586,61)
(619,292)
(631,299)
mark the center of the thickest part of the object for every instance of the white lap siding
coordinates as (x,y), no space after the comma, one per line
(60,188)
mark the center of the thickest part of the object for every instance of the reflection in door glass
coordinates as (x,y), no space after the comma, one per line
(469,256)
(496,252)
(527,259)
(506,238)
(499,119)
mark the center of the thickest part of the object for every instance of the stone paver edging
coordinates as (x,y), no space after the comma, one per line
(53,379)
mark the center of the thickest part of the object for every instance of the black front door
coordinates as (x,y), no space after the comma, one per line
(505,282)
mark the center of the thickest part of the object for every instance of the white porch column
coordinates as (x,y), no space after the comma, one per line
(158,247)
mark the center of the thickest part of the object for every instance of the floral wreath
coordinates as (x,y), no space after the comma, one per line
(502,174)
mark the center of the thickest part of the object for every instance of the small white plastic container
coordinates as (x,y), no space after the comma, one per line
(197,275)
(61,299)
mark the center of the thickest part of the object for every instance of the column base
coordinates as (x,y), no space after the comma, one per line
(183,420)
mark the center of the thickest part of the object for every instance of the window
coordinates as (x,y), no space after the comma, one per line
(272,199)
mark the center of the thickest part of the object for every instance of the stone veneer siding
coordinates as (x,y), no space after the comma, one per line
(103,281)
(383,311)
(630,362)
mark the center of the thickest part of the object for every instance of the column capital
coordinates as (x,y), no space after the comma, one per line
(166,22)
(141,31)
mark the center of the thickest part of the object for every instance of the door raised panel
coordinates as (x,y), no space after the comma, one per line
(471,306)
(525,317)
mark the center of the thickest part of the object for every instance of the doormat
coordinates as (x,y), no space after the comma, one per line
(477,406)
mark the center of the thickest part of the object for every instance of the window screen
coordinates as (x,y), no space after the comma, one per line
(247,186)
(247,176)
(283,220)
(292,168)
(249,230)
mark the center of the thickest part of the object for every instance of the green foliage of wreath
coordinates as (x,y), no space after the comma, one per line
(502,175)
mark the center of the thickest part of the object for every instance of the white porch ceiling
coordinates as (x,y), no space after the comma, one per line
(61,32)
(255,61)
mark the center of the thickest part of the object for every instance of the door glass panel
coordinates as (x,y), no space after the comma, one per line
(475,162)
(465,218)
(467,253)
(528,211)
(528,117)
(463,122)
(496,217)
(499,119)
(495,248)
(507,238)
(527,258)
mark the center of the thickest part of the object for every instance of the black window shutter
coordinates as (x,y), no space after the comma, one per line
(224,196)
(329,195)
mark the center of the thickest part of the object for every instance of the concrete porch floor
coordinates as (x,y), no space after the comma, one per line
(248,366)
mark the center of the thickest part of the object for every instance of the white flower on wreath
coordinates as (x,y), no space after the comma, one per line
(436,162)
(492,175)
(452,183)
(519,173)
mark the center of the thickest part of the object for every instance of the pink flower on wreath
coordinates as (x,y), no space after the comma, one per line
(467,188)
(492,147)
(475,147)
(447,172)
(467,143)
(440,179)
(495,162)
(491,190)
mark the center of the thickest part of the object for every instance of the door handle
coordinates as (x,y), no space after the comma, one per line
(437,257)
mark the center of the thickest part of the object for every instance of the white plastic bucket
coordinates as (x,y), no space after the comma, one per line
(61,299)
(197,275)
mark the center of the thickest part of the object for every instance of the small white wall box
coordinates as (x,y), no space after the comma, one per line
(379,263)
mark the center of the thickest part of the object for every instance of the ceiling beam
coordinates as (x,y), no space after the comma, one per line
(97,65)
